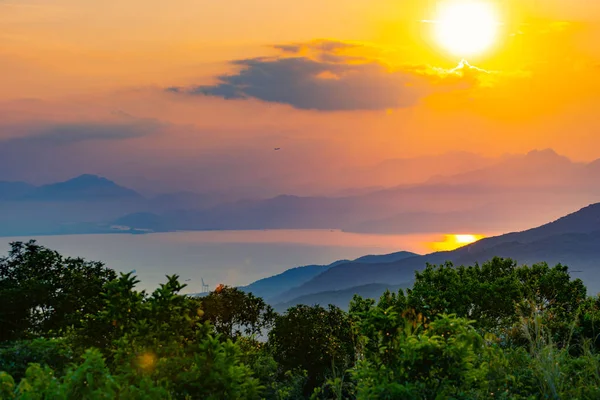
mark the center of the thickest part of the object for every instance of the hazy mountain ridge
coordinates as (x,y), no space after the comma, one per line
(573,240)
(492,194)
(272,287)
(414,170)
(536,168)
(509,193)
(14,190)
(347,275)
(340,298)
(85,187)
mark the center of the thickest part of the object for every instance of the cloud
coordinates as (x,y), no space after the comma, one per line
(42,150)
(68,133)
(333,76)
(324,45)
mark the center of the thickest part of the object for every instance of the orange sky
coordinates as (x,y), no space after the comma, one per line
(99,72)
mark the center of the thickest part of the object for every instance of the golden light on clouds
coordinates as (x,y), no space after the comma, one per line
(466,28)
(454,241)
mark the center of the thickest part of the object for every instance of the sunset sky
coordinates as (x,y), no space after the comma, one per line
(189,94)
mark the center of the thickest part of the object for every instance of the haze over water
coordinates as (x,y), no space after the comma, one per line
(230,257)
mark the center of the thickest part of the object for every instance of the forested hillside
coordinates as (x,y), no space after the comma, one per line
(74,329)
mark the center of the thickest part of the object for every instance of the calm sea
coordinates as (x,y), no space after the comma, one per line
(229,257)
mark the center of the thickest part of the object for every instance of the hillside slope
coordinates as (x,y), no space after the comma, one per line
(272,287)
(341,298)
(573,240)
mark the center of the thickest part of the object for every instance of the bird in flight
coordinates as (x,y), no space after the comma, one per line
(277,148)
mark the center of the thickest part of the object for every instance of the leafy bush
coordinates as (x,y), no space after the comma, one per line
(495,331)
(43,293)
(312,339)
(55,353)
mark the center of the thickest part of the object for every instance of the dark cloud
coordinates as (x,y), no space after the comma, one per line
(330,76)
(323,45)
(310,84)
(63,134)
(288,48)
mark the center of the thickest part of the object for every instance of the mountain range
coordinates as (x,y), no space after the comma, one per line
(507,195)
(516,192)
(477,195)
(572,240)
(271,288)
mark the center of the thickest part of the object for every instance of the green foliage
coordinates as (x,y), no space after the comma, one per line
(312,339)
(545,370)
(121,309)
(588,327)
(337,386)
(42,292)
(234,313)
(152,346)
(7,386)
(72,329)
(439,360)
(497,292)
(90,380)
(485,293)
(56,353)
(162,337)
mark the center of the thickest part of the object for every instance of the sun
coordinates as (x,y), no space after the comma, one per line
(466,27)
(454,241)
(466,239)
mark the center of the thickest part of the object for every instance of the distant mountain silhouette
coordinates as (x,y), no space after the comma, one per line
(480,194)
(187,200)
(487,198)
(270,288)
(284,211)
(341,298)
(413,171)
(142,220)
(383,258)
(85,204)
(82,188)
(502,216)
(573,240)
(586,220)
(537,168)
(14,190)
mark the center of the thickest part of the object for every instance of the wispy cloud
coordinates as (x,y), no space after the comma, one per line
(62,134)
(333,76)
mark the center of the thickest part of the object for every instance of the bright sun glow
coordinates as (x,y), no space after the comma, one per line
(466,27)
(452,242)
(466,239)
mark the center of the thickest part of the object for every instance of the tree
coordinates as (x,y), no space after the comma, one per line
(234,313)
(313,339)
(43,292)
(444,359)
(496,293)
(89,380)
(163,338)
(56,353)
(373,323)
(485,293)
(589,322)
